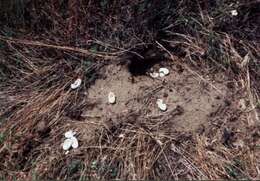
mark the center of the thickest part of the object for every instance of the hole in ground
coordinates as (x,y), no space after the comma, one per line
(139,66)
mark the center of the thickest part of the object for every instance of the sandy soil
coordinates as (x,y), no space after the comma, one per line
(180,88)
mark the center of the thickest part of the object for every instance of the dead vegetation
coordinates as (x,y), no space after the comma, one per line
(55,42)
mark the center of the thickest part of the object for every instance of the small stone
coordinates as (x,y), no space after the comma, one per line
(76,84)
(111,98)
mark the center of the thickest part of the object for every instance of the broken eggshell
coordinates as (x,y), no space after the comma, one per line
(234,12)
(67,144)
(69,134)
(161,105)
(75,143)
(154,74)
(163,72)
(111,98)
(71,141)
(159,101)
(76,84)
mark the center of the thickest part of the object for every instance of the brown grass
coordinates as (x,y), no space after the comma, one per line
(38,64)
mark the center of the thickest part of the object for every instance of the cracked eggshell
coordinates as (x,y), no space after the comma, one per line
(234,12)
(67,144)
(75,143)
(161,74)
(161,105)
(164,71)
(154,74)
(69,134)
(111,98)
(159,101)
(76,84)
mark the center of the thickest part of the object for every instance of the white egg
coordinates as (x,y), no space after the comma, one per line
(69,134)
(76,84)
(111,98)
(67,144)
(75,143)
(164,71)
(154,74)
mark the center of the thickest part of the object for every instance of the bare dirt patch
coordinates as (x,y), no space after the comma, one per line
(196,97)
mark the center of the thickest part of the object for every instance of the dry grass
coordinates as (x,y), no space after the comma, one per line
(60,42)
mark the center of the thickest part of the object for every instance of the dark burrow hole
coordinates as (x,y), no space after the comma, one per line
(138,66)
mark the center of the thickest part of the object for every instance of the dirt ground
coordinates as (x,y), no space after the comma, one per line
(207,125)
(196,97)
(207,109)
(210,130)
